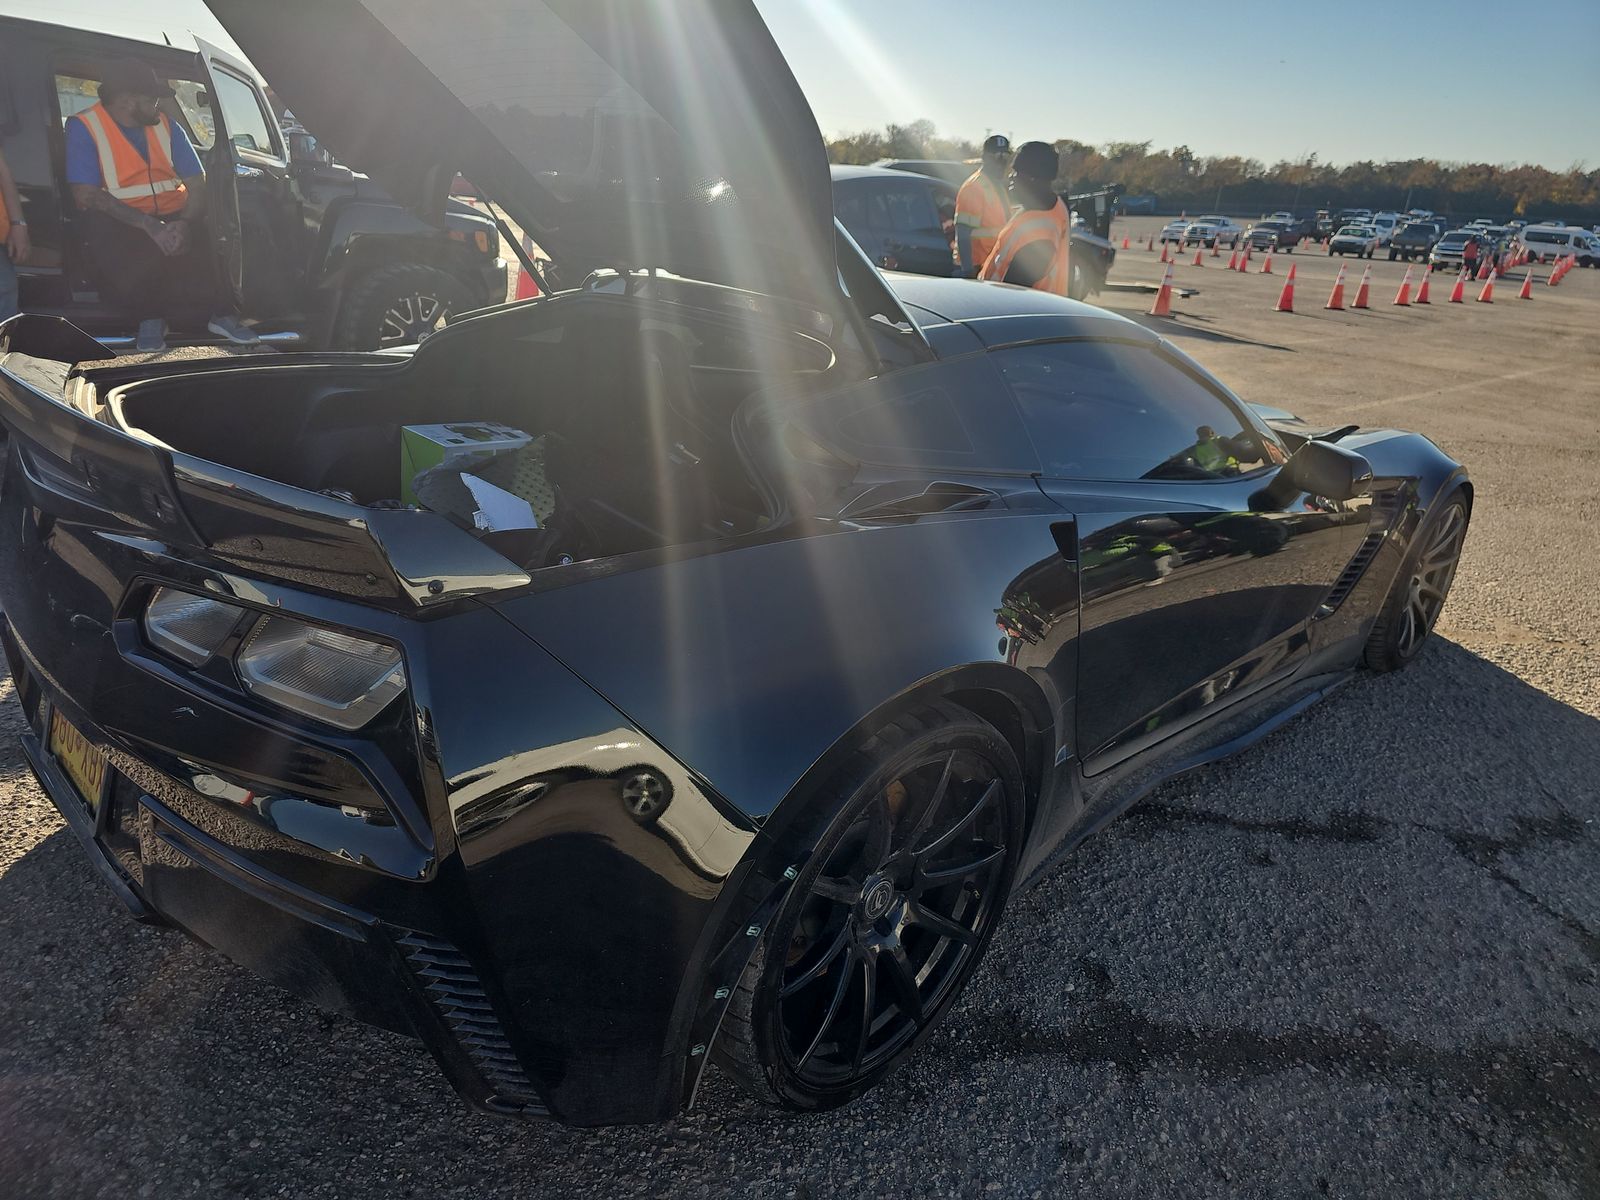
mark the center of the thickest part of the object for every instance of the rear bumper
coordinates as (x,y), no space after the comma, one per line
(167,870)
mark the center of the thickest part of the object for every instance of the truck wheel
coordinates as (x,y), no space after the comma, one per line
(1393,256)
(397,305)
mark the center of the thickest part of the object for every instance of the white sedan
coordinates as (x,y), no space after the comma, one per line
(1360,240)
(1172,231)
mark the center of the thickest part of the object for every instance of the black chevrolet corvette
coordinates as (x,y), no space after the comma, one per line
(717,718)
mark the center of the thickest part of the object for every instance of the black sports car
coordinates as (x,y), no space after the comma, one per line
(718,707)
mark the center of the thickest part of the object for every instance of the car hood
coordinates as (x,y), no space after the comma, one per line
(621,133)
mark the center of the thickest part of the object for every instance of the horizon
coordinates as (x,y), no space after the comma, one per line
(862,70)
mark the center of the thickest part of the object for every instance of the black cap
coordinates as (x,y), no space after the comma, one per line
(130,77)
(997,143)
(1037,160)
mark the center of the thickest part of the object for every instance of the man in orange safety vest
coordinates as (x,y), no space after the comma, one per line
(137,179)
(982,207)
(1033,249)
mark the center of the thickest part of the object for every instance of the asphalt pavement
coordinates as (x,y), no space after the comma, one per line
(1361,959)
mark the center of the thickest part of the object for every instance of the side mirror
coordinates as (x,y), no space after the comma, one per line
(1320,469)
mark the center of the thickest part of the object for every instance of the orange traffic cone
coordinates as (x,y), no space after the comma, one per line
(1199,257)
(1487,295)
(1244,263)
(1163,305)
(1124,241)
(1337,299)
(1164,257)
(1483,271)
(1286,297)
(1457,293)
(1499,266)
(1216,251)
(1422,289)
(1361,290)
(1291,271)
(1403,296)
(1233,261)
(1151,244)
(1266,265)
(1527,286)
(1553,279)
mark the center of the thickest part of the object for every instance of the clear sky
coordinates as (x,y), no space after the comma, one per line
(1280,79)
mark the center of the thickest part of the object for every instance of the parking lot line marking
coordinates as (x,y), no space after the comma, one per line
(1456,387)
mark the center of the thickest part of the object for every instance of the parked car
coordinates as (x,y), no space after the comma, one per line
(1385,223)
(1173,231)
(1549,242)
(319,255)
(740,752)
(1414,239)
(896,217)
(1273,235)
(887,211)
(1448,251)
(1213,231)
(1360,240)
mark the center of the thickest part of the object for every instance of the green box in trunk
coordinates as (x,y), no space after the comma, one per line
(425,446)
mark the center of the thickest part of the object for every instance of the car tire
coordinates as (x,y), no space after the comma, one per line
(869,922)
(396,304)
(1420,589)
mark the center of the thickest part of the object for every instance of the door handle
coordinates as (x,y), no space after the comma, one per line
(1066,536)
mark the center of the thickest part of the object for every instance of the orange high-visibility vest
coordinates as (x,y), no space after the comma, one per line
(150,186)
(982,206)
(1027,227)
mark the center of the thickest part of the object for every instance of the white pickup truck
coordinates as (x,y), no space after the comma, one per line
(1213,231)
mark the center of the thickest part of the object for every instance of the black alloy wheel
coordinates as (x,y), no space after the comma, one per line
(1418,593)
(888,917)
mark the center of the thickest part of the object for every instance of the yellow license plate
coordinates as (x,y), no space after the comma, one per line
(83,764)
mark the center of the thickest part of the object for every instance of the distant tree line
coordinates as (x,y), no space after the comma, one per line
(1182,180)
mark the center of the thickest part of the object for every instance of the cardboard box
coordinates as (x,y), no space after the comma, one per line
(457,442)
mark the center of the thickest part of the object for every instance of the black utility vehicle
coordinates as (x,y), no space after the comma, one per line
(316,254)
(847,609)
(1413,240)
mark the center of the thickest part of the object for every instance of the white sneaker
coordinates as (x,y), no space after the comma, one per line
(152,336)
(232,329)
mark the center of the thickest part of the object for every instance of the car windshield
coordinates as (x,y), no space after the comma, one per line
(1355,231)
(1453,239)
(1270,225)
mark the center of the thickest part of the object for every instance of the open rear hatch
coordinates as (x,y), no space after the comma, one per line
(401,558)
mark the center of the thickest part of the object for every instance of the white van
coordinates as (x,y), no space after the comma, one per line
(1385,223)
(1549,242)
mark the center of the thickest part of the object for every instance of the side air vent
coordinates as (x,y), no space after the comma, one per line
(1384,506)
(455,990)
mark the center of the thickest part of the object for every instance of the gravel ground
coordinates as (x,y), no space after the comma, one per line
(1361,959)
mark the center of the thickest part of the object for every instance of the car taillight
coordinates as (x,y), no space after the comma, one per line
(332,677)
(190,628)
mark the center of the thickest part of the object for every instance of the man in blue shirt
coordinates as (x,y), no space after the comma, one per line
(137,179)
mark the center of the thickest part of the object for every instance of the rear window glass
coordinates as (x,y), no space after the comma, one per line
(1543,235)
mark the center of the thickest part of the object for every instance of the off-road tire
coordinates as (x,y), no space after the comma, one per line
(361,318)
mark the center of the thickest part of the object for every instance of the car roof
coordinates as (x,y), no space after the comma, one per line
(1002,314)
(847,171)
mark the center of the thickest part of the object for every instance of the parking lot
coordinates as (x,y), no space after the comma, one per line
(1360,959)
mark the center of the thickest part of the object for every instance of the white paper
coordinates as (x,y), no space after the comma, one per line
(497,508)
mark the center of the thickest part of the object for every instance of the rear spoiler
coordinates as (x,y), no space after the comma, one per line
(80,468)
